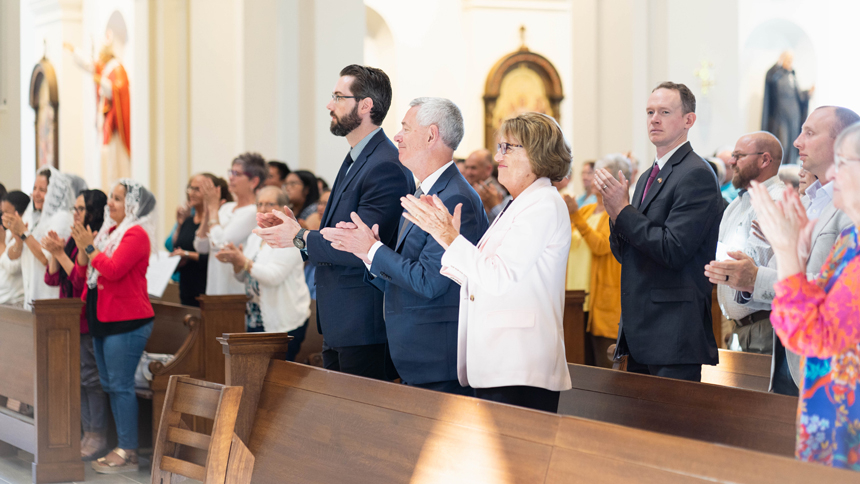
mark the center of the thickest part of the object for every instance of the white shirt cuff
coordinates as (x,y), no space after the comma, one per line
(370,253)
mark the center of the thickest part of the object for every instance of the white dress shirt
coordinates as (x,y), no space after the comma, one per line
(819,198)
(735,234)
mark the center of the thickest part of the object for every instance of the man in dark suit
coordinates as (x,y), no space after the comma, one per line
(370,182)
(663,240)
(421,305)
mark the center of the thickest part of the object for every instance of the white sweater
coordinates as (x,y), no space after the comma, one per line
(285,302)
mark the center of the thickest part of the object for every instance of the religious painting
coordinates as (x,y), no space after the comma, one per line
(44,100)
(519,82)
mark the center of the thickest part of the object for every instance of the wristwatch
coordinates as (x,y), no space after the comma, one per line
(90,249)
(25,235)
(299,240)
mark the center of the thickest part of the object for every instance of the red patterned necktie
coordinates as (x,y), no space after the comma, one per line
(654,171)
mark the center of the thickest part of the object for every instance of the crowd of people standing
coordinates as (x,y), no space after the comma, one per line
(452,276)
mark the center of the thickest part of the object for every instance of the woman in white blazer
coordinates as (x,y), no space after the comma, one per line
(274,280)
(511,340)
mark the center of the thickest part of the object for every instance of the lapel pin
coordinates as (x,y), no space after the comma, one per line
(659,180)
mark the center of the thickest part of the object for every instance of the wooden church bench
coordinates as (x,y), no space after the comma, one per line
(731,416)
(40,366)
(305,424)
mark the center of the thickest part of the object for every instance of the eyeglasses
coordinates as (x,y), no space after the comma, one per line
(235,173)
(337,97)
(505,147)
(737,155)
(192,189)
(841,160)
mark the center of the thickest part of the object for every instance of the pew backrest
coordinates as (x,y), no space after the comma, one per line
(742,418)
(738,369)
(313,425)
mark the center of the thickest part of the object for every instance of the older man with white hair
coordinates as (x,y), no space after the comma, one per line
(421,306)
(756,157)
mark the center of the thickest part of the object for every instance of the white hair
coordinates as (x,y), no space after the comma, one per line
(613,163)
(851,133)
(444,114)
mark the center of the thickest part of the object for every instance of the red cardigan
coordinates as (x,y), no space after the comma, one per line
(122,279)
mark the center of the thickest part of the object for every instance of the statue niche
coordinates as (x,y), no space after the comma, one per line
(45,102)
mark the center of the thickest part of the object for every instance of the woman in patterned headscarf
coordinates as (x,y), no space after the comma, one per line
(49,210)
(119,313)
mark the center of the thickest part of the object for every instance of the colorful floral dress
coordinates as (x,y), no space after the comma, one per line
(820,320)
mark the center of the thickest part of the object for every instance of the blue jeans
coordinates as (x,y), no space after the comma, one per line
(123,351)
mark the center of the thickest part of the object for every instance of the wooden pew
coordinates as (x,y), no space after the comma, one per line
(40,366)
(737,369)
(574,327)
(305,424)
(189,334)
(752,420)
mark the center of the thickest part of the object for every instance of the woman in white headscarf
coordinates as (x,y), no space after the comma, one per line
(49,210)
(119,313)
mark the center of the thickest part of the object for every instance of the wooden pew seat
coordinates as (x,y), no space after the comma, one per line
(305,424)
(731,416)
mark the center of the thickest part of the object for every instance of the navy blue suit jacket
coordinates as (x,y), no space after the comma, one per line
(422,305)
(663,243)
(349,312)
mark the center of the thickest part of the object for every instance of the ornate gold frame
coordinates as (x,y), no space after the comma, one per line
(536,62)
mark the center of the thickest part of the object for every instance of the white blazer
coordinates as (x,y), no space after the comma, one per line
(512,295)
(285,301)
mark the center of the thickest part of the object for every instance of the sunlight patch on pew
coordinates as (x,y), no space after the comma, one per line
(459,454)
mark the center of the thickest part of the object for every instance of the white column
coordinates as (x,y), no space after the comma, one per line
(10,94)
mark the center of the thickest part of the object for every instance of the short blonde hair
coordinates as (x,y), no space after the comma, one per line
(548,151)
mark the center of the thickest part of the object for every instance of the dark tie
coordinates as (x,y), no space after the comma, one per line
(654,171)
(405,223)
(347,162)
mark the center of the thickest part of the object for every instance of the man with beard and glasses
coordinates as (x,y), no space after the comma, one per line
(370,183)
(756,157)
(755,283)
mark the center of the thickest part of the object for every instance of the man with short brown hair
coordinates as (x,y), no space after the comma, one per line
(663,238)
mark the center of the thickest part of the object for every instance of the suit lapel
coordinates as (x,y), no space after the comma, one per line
(436,189)
(823,220)
(663,175)
(353,172)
